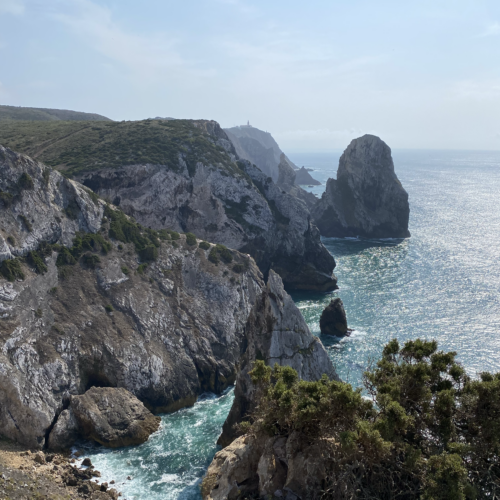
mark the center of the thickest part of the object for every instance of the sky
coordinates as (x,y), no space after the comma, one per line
(316,74)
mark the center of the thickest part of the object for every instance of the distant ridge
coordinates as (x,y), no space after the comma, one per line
(18,113)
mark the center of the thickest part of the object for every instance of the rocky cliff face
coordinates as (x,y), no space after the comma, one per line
(303,177)
(235,204)
(367,199)
(124,306)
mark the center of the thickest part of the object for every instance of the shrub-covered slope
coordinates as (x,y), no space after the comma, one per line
(185,175)
(15,113)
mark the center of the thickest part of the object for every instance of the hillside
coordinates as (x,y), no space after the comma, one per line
(16,113)
(78,147)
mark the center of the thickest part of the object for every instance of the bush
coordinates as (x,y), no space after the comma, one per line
(11,241)
(109,308)
(37,262)
(11,270)
(430,432)
(204,245)
(91,260)
(213,256)
(25,182)
(174,235)
(190,239)
(6,199)
(125,270)
(222,252)
(148,253)
(142,268)
(26,223)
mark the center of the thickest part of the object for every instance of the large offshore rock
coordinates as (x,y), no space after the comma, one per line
(113,417)
(303,177)
(333,320)
(166,330)
(367,198)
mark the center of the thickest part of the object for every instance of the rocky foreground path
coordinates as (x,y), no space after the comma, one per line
(36,475)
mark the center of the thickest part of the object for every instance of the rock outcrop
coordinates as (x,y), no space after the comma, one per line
(303,178)
(110,416)
(367,199)
(238,206)
(277,333)
(167,321)
(259,466)
(333,320)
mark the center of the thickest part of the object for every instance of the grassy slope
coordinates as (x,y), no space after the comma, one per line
(10,113)
(78,147)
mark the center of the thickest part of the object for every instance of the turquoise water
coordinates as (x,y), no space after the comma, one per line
(442,283)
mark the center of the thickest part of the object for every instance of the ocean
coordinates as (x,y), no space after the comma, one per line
(443,283)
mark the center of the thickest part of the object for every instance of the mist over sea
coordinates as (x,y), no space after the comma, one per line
(442,283)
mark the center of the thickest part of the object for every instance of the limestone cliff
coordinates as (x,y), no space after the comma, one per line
(94,299)
(236,205)
(367,198)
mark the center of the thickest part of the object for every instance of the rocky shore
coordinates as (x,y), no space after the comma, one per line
(25,474)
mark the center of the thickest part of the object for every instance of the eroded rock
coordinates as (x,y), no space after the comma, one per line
(367,198)
(333,320)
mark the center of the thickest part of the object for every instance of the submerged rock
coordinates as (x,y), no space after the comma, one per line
(333,319)
(367,198)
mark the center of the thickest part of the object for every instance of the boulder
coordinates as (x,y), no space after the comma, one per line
(113,417)
(333,319)
(367,198)
(65,432)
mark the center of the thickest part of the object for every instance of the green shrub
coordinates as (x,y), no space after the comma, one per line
(148,253)
(174,235)
(53,290)
(238,268)
(26,223)
(204,245)
(64,271)
(38,313)
(25,182)
(11,270)
(142,268)
(6,199)
(109,308)
(91,260)
(72,210)
(125,270)
(190,239)
(37,262)
(11,241)
(213,256)
(428,431)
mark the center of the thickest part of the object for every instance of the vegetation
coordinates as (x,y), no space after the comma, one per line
(14,113)
(25,182)
(83,242)
(11,270)
(190,239)
(26,223)
(204,245)
(109,308)
(121,228)
(11,241)
(81,146)
(91,260)
(220,252)
(35,260)
(6,199)
(142,268)
(428,432)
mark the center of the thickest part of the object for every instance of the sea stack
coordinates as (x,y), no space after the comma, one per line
(333,319)
(367,198)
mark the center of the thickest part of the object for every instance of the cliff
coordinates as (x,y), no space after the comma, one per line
(367,198)
(94,299)
(185,175)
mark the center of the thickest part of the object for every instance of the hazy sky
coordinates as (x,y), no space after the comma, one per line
(420,74)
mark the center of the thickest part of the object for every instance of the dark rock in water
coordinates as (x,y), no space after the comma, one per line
(113,417)
(367,199)
(303,177)
(333,320)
